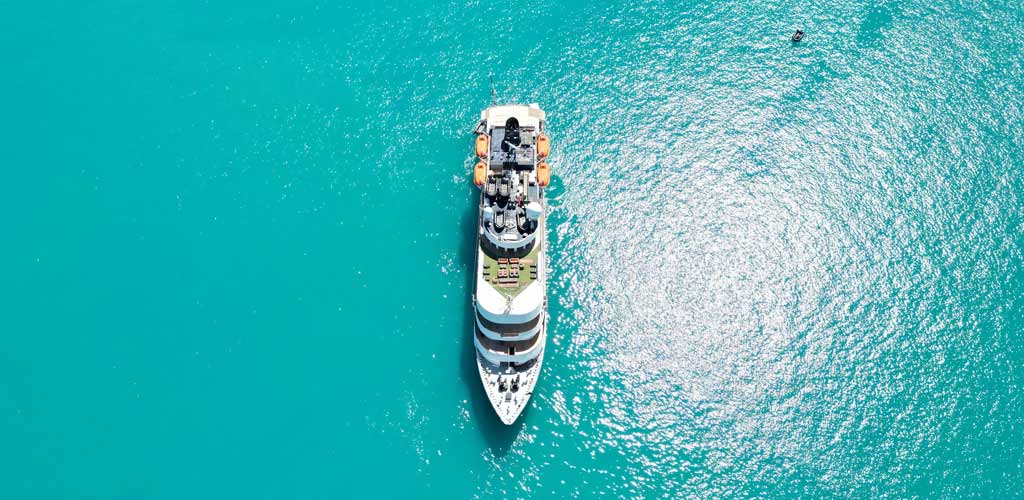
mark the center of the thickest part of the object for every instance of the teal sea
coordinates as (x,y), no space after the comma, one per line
(236,241)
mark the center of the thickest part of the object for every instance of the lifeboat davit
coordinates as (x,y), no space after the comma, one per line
(482,142)
(543,146)
(479,174)
(543,174)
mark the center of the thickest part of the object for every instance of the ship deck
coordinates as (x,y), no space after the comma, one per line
(511,275)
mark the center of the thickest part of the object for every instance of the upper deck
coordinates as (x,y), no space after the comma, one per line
(511,203)
(511,200)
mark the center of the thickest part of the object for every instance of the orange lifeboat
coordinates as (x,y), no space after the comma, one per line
(543,146)
(482,142)
(543,174)
(479,174)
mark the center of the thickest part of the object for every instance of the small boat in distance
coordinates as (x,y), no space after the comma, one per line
(509,292)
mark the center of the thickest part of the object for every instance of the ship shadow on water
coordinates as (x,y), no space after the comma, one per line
(499,437)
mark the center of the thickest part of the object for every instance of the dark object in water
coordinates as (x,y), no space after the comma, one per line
(799,35)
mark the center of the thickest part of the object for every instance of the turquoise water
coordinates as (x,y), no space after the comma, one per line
(237,239)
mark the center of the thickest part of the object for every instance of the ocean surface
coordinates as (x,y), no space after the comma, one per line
(236,241)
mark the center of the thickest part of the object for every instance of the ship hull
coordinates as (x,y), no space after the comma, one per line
(509,404)
(510,294)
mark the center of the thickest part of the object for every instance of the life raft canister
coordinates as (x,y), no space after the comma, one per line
(479,174)
(543,146)
(543,174)
(481,145)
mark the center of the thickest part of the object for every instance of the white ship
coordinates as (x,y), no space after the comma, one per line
(510,289)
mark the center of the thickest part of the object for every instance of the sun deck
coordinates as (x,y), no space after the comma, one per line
(511,275)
